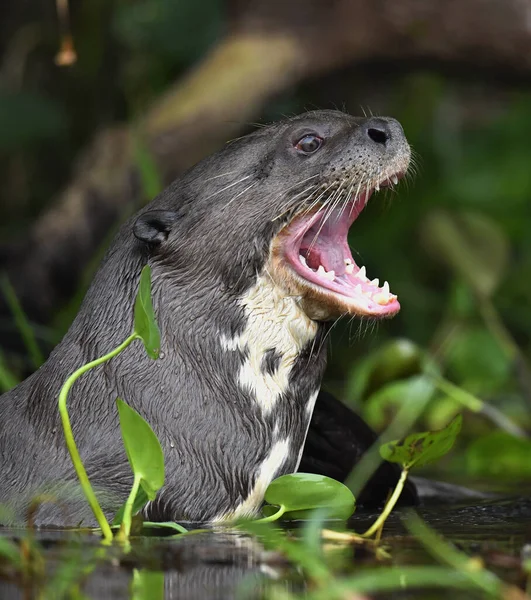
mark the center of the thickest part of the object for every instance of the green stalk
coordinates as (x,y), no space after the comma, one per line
(389,506)
(22,323)
(478,406)
(69,436)
(125,529)
(273,517)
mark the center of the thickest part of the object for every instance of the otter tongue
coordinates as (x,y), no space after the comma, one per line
(322,252)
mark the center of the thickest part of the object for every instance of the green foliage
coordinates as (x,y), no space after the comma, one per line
(474,357)
(10,552)
(27,118)
(419,449)
(382,404)
(145,325)
(166,525)
(142,448)
(478,576)
(22,322)
(140,500)
(8,379)
(499,455)
(396,359)
(148,468)
(299,492)
(147,585)
(167,29)
(469,243)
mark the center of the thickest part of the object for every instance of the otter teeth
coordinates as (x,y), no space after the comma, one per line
(394,179)
(381,296)
(331,275)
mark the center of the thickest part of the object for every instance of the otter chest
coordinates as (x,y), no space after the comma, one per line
(276,333)
(276,344)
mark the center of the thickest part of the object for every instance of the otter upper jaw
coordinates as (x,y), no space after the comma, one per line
(313,250)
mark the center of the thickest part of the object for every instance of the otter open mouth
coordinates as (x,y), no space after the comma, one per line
(316,248)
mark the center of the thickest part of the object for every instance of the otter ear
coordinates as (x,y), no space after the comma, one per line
(154,226)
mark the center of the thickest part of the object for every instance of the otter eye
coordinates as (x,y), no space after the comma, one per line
(309,144)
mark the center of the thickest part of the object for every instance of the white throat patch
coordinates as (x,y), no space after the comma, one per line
(274,322)
(268,471)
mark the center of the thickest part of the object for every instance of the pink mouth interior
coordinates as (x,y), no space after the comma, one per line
(317,249)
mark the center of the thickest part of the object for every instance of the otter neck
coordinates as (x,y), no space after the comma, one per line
(275,333)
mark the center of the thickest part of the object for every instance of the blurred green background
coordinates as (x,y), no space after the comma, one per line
(453,242)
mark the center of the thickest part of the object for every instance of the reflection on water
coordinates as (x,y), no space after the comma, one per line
(219,565)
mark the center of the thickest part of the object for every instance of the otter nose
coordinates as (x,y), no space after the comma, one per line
(381,131)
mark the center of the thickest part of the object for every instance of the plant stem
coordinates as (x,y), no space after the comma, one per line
(476,405)
(389,506)
(22,323)
(273,517)
(460,395)
(128,509)
(69,436)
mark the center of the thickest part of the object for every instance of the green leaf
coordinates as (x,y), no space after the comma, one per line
(10,551)
(396,359)
(165,525)
(145,324)
(419,449)
(500,455)
(142,448)
(306,491)
(475,359)
(21,320)
(27,119)
(147,585)
(140,501)
(469,243)
(381,406)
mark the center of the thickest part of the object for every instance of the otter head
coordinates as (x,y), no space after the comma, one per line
(280,202)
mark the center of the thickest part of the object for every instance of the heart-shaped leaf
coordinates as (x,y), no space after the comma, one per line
(142,448)
(306,491)
(419,449)
(145,324)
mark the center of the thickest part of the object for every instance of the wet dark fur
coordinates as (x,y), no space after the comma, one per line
(205,252)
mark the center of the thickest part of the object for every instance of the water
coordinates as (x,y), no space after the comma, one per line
(223,564)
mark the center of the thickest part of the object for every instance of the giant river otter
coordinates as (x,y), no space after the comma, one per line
(250,263)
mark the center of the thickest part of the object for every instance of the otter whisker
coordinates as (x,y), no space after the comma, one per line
(336,197)
(228,187)
(241,193)
(295,185)
(348,198)
(327,335)
(290,203)
(317,200)
(286,207)
(222,175)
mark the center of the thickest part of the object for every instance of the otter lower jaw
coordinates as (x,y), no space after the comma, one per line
(313,251)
